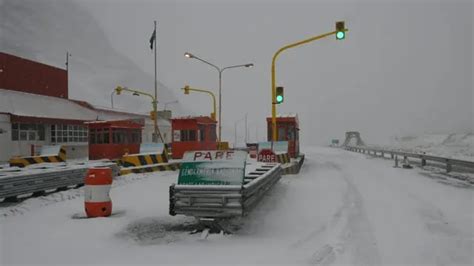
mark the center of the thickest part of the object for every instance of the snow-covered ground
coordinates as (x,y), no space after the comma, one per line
(456,145)
(343,208)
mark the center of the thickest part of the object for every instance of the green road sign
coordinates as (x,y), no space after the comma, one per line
(212,168)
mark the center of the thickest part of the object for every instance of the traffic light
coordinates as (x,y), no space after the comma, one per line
(340,30)
(186,89)
(152,115)
(118,90)
(279,95)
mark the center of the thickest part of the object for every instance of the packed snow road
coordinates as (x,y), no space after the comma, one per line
(343,208)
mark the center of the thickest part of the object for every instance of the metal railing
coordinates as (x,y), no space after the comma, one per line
(223,201)
(38,179)
(448,163)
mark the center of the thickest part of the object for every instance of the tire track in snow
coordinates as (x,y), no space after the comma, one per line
(349,230)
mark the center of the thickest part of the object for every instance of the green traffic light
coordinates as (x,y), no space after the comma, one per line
(340,35)
(279,98)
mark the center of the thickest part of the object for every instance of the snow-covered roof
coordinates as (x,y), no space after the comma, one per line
(287,115)
(34,105)
(106,113)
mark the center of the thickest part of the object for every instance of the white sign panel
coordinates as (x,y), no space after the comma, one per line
(177,135)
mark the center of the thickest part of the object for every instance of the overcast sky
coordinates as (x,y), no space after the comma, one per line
(404,68)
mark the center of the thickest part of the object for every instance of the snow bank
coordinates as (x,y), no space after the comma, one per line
(456,145)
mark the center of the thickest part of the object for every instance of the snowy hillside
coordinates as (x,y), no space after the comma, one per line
(459,146)
(44,30)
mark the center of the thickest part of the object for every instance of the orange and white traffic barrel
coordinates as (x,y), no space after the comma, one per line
(97,184)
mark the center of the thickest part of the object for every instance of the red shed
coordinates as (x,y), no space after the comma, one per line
(193,133)
(287,130)
(113,139)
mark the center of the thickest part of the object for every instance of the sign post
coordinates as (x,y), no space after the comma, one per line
(266,155)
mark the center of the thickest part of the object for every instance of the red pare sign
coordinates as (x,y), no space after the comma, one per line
(266,155)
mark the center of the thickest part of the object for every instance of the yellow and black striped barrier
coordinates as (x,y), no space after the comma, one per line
(25,161)
(150,168)
(135,160)
(283,158)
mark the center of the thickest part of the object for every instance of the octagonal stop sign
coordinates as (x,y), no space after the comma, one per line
(266,155)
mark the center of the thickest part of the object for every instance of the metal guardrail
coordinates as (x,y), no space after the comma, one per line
(37,179)
(224,201)
(449,163)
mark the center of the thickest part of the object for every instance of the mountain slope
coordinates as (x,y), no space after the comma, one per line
(44,30)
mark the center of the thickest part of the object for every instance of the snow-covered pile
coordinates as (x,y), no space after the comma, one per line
(456,145)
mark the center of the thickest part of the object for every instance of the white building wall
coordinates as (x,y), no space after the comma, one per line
(148,129)
(6,148)
(10,148)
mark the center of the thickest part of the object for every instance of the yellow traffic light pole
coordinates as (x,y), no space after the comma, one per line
(119,90)
(187,89)
(275,56)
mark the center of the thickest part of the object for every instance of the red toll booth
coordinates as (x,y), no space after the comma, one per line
(113,139)
(287,130)
(191,134)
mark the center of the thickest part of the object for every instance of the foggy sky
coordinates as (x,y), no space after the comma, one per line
(404,68)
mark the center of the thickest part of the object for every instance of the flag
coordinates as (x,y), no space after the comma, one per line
(152,39)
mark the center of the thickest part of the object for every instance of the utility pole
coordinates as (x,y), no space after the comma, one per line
(67,70)
(246,129)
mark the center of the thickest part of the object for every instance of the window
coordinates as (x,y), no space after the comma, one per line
(202,133)
(281,133)
(126,136)
(213,136)
(15,131)
(136,136)
(24,132)
(92,139)
(188,135)
(67,133)
(291,132)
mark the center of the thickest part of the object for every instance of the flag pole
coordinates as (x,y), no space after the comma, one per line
(156,88)
(155,107)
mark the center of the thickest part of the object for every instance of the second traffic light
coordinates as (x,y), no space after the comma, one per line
(279,95)
(186,89)
(340,30)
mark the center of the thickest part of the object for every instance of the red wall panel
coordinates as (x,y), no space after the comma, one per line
(24,75)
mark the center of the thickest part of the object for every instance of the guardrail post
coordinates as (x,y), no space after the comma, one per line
(448,166)
(11,199)
(391,155)
(172,201)
(38,193)
(423,161)
(383,155)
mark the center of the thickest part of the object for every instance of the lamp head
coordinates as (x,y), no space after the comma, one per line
(249,65)
(188,55)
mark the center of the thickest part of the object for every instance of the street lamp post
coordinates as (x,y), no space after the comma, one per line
(235,130)
(112,99)
(220,71)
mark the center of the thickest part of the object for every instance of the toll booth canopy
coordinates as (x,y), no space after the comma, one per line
(193,133)
(287,130)
(113,139)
